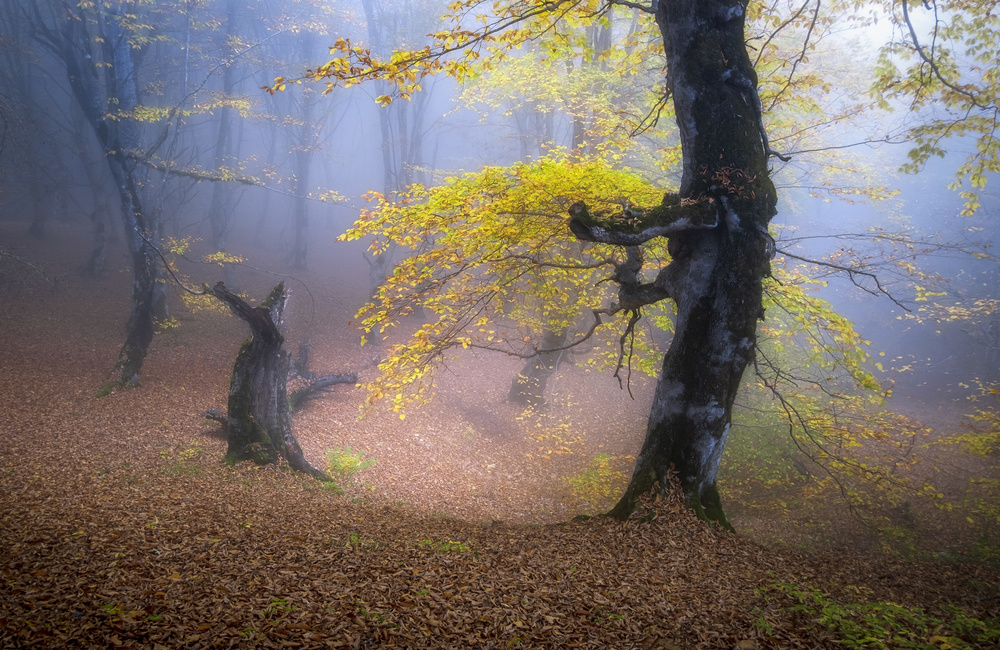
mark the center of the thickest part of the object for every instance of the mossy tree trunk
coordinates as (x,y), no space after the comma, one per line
(717,235)
(259,421)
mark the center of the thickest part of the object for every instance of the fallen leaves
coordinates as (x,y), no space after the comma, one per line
(119,527)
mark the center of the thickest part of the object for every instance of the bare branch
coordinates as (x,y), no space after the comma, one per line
(629,333)
(170,270)
(852,274)
(649,9)
(539,351)
(780,27)
(652,117)
(50,280)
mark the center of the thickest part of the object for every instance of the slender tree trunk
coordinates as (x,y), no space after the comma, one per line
(94,268)
(222,194)
(122,138)
(718,262)
(300,247)
(308,143)
(39,211)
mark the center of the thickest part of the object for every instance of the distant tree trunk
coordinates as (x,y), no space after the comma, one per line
(300,247)
(259,421)
(270,134)
(374,17)
(94,268)
(720,248)
(39,212)
(528,387)
(305,147)
(222,195)
(402,148)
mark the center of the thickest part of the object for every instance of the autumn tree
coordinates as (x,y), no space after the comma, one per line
(716,224)
(720,247)
(577,93)
(489,268)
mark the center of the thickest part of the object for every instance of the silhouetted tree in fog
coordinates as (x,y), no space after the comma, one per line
(100,62)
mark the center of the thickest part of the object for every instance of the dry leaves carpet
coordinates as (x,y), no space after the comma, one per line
(120,527)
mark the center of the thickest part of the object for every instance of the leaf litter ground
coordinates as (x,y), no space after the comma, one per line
(120,527)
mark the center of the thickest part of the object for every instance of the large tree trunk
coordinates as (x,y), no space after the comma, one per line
(259,421)
(717,264)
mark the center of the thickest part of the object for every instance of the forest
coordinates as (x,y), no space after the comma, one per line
(521,323)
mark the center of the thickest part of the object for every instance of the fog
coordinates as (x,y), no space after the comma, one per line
(276,178)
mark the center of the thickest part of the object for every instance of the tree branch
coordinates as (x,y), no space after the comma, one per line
(649,9)
(634,227)
(851,274)
(929,60)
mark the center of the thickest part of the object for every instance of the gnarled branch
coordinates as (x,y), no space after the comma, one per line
(633,227)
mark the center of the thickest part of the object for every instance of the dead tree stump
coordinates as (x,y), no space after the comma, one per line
(259,422)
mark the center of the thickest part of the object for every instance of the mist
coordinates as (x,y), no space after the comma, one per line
(251,184)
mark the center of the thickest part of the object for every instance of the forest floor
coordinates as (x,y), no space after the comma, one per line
(120,526)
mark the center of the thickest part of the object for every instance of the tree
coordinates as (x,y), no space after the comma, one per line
(718,263)
(258,419)
(716,224)
(492,267)
(97,51)
(259,424)
(115,55)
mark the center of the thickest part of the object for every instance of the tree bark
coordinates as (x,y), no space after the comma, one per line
(717,264)
(259,421)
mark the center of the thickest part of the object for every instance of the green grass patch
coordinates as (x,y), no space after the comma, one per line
(600,485)
(882,624)
(447,546)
